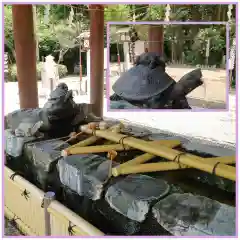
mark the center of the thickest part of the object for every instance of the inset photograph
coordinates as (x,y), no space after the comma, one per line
(168,66)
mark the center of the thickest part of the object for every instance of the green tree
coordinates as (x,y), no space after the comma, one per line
(67,38)
(117,13)
(8,30)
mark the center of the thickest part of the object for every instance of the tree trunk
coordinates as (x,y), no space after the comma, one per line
(219,9)
(60,57)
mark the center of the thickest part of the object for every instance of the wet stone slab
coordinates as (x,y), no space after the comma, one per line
(133,195)
(189,215)
(85,174)
(203,148)
(126,208)
(43,157)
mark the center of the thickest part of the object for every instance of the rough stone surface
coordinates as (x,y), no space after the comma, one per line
(132,196)
(85,174)
(189,215)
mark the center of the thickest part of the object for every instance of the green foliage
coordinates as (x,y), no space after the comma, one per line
(233,83)
(47,40)
(8,29)
(157,12)
(181,13)
(62,70)
(197,53)
(57,12)
(217,41)
(117,13)
(52,37)
(60,12)
(66,35)
(60,36)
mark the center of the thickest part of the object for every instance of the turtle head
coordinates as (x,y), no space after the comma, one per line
(187,84)
(62,86)
(152,60)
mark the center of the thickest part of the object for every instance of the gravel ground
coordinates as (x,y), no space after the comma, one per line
(10,229)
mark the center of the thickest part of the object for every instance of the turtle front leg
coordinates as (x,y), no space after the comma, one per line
(181,104)
(115,97)
(92,118)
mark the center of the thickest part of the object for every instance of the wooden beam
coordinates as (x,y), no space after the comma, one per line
(97,58)
(25,47)
(156,39)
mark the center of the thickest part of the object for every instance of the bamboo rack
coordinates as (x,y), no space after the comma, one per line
(80,149)
(135,166)
(116,128)
(145,157)
(219,169)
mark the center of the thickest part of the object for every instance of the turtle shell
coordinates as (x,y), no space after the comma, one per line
(145,80)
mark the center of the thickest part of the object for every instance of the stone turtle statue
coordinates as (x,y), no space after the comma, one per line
(147,85)
(60,115)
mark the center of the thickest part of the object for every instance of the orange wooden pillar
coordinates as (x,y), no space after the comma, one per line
(97,58)
(25,48)
(156,39)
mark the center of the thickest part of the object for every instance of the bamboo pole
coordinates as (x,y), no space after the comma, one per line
(190,160)
(146,156)
(95,149)
(115,128)
(112,147)
(225,160)
(134,167)
(92,139)
(144,168)
(121,169)
(83,143)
